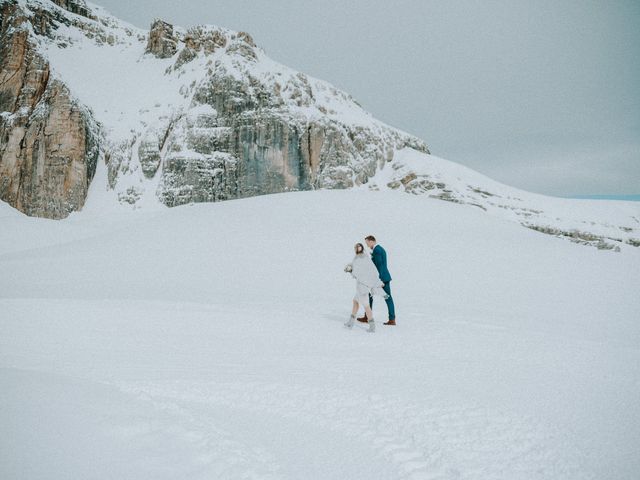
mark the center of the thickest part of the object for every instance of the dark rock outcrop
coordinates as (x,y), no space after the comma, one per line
(162,43)
(79,7)
(48,151)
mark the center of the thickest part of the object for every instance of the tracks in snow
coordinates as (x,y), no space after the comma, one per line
(384,437)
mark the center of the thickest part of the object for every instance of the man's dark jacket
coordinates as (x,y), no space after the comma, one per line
(379,257)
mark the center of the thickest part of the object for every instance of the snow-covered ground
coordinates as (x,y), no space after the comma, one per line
(206,341)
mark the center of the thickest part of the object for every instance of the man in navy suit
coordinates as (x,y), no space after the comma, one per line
(379,257)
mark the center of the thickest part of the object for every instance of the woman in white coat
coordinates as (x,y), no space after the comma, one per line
(367,283)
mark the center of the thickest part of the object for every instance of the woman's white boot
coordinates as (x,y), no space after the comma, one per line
(349,323)
(372,325)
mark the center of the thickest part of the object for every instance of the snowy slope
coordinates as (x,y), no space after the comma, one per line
(206,341)
(606,225)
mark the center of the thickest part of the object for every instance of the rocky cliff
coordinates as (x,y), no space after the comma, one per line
(48,154)
(175,115)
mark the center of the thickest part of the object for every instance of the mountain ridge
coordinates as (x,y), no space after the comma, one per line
(172,116)
(213,116)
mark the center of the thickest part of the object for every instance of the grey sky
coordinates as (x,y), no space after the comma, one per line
(542,95)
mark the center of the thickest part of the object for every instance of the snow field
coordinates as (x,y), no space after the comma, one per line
(207,341)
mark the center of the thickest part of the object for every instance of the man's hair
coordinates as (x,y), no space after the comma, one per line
(370,238)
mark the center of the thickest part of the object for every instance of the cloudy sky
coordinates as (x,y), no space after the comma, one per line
(543,95)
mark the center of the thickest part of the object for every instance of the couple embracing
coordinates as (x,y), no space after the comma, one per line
(372,278)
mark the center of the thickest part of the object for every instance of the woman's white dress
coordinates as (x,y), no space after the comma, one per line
(367,279)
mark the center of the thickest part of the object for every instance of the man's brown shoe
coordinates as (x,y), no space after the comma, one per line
(390,322)
(362,319)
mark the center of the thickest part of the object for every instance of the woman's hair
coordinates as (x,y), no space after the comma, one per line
(359,248)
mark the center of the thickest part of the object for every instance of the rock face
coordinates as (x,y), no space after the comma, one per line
(245,135)
(237,123)
(79,7)
(161,42)
(47,153)
(238,151)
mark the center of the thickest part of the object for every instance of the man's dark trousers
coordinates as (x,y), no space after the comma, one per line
(379,258)
(389,300)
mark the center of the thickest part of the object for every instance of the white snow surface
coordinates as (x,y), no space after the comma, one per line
(206,341)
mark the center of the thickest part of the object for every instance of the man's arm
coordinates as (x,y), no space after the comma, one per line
(383,258)
(376,257)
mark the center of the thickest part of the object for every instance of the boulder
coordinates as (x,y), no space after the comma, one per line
(161,43)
